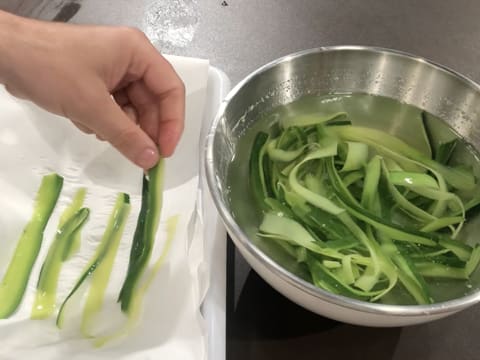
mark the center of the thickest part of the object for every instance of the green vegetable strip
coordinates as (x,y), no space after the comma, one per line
(407,272)
(277,154)
(139,295)
(440,206)
(347,270)
(289,230)
(331,227)
(257,176)
(403,202)
(101,275)
(44,304)
(137,247)
(352,178)
(330,264)
(351,232)
(308,120)
(371,275)
(145,233)
(445,151)
(106,249)
(77,202)
(284,229)
(462,251)
(370,186)
(443,198)
(434,194)
(15,280)
(357,156)
(409,179)
(324,278)
(313,183)
(394,231)
(435,270)
(473,262)
(379,262)
(278,207)
(438,224)
(384,141)
(309,196)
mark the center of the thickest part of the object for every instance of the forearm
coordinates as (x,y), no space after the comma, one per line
(10,26)
(73,71)
(21,40)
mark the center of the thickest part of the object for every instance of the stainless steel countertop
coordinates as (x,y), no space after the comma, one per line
(248,33)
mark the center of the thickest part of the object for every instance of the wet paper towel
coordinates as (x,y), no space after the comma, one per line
(34,143)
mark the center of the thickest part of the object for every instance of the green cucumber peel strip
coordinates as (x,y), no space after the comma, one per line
(325,279)
(277,154)
(403,202)
(138,297)
(309,120)
(283,228)
(145,233)
(352,177)
(357,156)
(461,250)
(100,277)
(394,231)
(77,202)
(427,199)
(105,251)
(441,223)
(436,270)
(309,196)
(14,282)
(409,179)
(407,274)
(44,304)
(383,141)
(259,184)
(442,144)
(474,261)
(370,187)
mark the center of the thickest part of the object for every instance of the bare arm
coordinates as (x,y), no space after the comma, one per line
(74,70)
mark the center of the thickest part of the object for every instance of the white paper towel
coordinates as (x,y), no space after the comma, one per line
(34,143)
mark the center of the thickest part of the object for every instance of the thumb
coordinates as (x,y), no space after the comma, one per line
(112,124)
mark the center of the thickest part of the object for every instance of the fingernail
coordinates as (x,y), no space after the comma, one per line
(147,158)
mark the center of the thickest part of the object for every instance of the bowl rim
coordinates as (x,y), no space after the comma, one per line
(242,241)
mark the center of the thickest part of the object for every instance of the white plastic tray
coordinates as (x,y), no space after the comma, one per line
(23,118)
(214,306)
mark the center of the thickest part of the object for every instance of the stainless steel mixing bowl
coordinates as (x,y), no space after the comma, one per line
(344,69)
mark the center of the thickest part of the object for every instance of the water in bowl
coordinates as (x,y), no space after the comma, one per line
(379,112)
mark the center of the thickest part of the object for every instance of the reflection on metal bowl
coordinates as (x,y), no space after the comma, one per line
(343,69)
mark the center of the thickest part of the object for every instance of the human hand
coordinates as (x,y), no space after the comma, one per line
(74,71)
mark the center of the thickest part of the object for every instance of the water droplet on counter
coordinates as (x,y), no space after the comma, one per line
(171,23)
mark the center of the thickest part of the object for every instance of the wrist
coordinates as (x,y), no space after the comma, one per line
(12,30)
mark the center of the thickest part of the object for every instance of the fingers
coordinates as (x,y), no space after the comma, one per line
(169,92)
(131,113)
(112,124)
(83,128)
(147,108)
(121,97)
